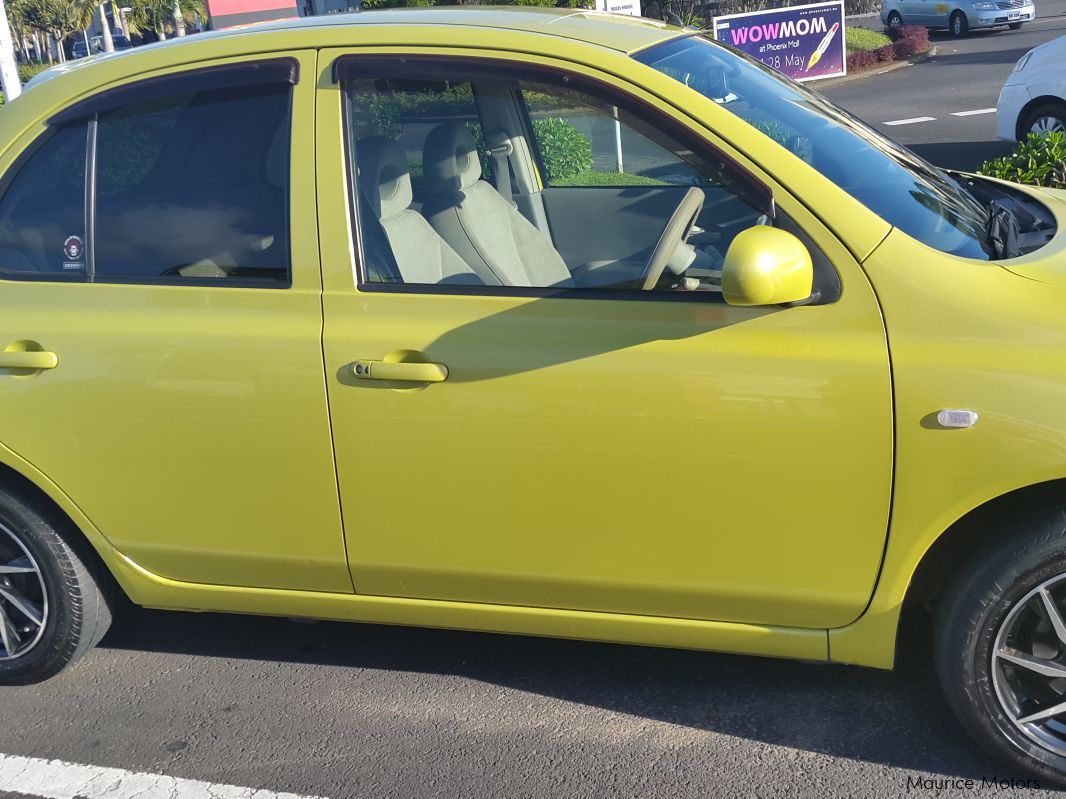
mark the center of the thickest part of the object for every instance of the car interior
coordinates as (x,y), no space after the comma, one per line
(482,182)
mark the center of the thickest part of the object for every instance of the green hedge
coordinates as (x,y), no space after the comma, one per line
(565,151)
(27,71)
(1040,160)
(864,39)
(593,178)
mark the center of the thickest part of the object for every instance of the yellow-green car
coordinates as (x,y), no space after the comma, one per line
(531,321)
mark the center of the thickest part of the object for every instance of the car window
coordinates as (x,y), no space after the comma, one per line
(195,186)
(439,157)
(935,207)
(189,186)
(405,110)
(582,142)
(42,213)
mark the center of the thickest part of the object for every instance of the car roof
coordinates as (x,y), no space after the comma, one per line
(614,31)
(617,32)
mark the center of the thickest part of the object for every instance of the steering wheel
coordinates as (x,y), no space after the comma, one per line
(674,234)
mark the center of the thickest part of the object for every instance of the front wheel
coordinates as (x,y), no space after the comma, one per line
(894,20)
(53,600)
(1050,118)
(1001,646)
(960,26)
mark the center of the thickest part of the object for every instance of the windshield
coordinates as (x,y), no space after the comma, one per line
(897,185)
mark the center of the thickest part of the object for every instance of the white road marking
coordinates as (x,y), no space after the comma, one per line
(54,779)
(973,113)
(911,121)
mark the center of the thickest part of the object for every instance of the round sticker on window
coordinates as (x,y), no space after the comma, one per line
(74,250)
(72,247)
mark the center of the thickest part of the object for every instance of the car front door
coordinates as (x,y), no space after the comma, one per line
(183,407)
(646,452)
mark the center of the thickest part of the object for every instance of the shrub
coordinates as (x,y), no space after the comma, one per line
(861,59)
(920,34)
(905,48)
(863,39)
(775,131)
(886,53)
(27,71)
(608,179)
(1040,160)
(564,150)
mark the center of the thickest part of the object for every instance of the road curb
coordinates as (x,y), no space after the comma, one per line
(891,66)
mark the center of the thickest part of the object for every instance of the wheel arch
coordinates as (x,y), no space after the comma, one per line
(1029,107)
(24,479)
(871,640)
(979,524)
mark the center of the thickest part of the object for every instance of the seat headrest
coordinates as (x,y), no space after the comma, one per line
(449,160)
(384,176)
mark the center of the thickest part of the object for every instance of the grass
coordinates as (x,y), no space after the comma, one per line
(593,178)
(864,39)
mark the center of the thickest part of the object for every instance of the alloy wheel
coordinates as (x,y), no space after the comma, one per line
(23,598)
(1047,124)
(1029,665)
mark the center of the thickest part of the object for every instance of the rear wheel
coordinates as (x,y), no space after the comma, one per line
(53,606)
(894,20)
(1048,118)
(960,26)
(1001,646)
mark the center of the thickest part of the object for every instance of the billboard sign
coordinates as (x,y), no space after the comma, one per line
(803,42)
(235,13)
(631,7)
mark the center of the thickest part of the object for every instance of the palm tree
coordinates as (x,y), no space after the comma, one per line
(16,20)
(158,15)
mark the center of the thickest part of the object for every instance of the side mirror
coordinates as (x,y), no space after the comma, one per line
(766,266)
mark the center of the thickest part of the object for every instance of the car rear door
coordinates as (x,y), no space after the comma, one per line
(161,340)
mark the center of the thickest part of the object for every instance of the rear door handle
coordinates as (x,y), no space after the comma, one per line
(409,371)
(14,359)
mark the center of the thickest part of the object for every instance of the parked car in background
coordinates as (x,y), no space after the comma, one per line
(120,42)
(959,16)
(538,335)
(1033,100)
(80,49)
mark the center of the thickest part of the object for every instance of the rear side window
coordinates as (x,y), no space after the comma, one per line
(42,215)
(184,186)
(195,186)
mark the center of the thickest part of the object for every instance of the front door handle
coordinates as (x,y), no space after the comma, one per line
(409,371)
(15,359)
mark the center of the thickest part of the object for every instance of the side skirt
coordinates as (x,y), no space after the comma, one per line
(151,590)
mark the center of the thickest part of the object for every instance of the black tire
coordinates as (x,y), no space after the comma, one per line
(895,20)
(976,603)
(75,590)
(1015,26)
(1053,111)
(959,25)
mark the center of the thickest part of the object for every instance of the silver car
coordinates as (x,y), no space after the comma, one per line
(958,16)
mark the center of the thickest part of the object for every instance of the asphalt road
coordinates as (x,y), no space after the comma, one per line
(965,75)
(362,711)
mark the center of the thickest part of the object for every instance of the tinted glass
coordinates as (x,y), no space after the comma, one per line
(42,214)
(195,186)
(576,192)
(901,188)
(582,142)
(407,110)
